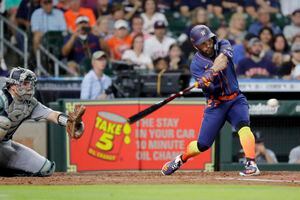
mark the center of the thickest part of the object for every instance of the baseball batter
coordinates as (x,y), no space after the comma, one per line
(213,68)
(17,104)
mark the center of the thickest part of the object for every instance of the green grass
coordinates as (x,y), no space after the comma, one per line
(150,192)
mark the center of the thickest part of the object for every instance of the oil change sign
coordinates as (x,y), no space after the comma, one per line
(110,143)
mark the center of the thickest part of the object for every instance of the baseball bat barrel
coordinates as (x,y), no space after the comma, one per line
(158,105)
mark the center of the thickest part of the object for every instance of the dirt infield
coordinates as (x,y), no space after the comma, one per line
(155,177)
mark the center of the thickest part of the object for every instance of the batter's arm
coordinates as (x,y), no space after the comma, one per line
(225,53)
(220,63)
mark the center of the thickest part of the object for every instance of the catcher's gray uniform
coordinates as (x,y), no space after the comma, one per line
(15,158)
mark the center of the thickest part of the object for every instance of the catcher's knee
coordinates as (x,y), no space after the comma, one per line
(47,170)
(5,125)
(202,147)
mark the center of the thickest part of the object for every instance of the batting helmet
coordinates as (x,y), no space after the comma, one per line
(200,34)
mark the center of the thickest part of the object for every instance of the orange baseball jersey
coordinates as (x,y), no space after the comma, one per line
(118,46)
(71,17)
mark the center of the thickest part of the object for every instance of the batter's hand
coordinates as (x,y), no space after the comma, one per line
(206,79)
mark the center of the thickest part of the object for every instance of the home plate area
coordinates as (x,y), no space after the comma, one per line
(155,177)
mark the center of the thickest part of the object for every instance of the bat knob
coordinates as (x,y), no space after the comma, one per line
(129,121)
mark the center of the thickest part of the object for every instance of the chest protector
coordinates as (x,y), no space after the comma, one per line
(17,112)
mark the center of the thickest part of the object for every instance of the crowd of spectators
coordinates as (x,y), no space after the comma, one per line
(154,34)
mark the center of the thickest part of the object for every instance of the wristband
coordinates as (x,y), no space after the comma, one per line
(62,119)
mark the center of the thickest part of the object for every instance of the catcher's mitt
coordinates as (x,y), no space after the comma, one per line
(75,126)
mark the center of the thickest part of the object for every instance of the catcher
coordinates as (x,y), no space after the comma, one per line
(17,104)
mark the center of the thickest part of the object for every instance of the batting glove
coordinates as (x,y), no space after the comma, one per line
(206,79)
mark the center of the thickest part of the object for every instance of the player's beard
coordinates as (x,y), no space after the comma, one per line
(209,53)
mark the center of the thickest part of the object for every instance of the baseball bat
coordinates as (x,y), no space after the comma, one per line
(158,105)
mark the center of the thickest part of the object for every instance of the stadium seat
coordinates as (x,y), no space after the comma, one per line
(177,23)
(53,41)
(280,20)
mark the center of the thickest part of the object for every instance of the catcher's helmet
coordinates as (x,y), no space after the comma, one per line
(200,34)
(18,76)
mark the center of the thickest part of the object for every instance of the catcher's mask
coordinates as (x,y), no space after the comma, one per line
(25,81)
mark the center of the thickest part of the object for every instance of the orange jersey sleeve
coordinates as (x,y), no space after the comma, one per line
(70,18)
(118,46)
